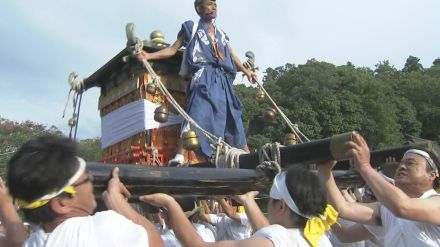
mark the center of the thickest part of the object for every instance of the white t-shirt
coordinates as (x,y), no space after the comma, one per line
(288,237)
(205,233)
(402,232)
(106,229)
(335,241)
(169,239)
(379,236)
(229,229)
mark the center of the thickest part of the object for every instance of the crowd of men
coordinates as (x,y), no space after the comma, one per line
(52,189)
(50,185)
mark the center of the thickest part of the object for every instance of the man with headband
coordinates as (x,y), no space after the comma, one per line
(229,225)
(409,211)
(53,189)
(298,214)
(211,65)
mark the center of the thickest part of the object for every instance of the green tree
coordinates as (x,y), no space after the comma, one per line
(90,149)
(412,65)
(13,134)
(324,99)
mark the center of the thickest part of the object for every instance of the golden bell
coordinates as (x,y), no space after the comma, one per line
(161,114)
(72,122)
(190,140)
(259,96)
(151,88)
(269,115)
(290,139)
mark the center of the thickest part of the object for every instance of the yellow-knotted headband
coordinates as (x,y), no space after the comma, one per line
(67,188)
(39,203)
(317,226)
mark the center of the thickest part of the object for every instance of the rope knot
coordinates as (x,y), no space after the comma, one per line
(270,162)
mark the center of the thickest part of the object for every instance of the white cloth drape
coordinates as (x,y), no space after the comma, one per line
(131,119)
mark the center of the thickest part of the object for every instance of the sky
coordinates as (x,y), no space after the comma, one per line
(43,41)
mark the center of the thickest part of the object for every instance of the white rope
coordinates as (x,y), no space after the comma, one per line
(134,45)
(233,157)
(76,86)
(229,158)
(212,138)
(250,64)
(293,127)
(75,83)
(155,154)
(272,162)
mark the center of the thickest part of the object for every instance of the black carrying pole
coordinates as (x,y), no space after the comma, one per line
(141,180)
(205,180)
(184,181)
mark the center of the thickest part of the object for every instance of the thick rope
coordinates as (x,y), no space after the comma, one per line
(272,162)
(230,158)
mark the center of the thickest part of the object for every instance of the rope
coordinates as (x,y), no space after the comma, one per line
(250,64)
(135,46)
(76,86)
(156,160)
(77,116)
(212,138)
(230,158)
(293,127)
(272,162)
(233,157)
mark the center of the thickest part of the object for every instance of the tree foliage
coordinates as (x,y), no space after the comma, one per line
(14,134)
(90,149)
(384,104)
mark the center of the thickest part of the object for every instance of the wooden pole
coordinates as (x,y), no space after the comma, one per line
(185,181)
(141,180)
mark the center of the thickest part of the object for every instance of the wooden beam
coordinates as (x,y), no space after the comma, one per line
(185,181)
(141,180)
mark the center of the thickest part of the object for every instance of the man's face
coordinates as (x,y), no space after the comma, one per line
(412,172)
(84,198)
(208,10)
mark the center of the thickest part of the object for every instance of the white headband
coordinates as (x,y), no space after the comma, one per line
(424,155)
(78,173)
(279,192)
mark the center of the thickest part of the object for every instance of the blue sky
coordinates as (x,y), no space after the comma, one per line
(43,41)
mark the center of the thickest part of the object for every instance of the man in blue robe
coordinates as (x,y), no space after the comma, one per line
(212,66)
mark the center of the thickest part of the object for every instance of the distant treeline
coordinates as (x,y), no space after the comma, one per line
(384,104)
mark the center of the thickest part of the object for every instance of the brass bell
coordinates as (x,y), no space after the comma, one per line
(157,36)
(290,139)
(190,140)
(260,95)
(151,88)
(72,122)
(161,114)
(269,115)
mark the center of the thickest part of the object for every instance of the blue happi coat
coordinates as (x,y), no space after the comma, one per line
(211,100)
